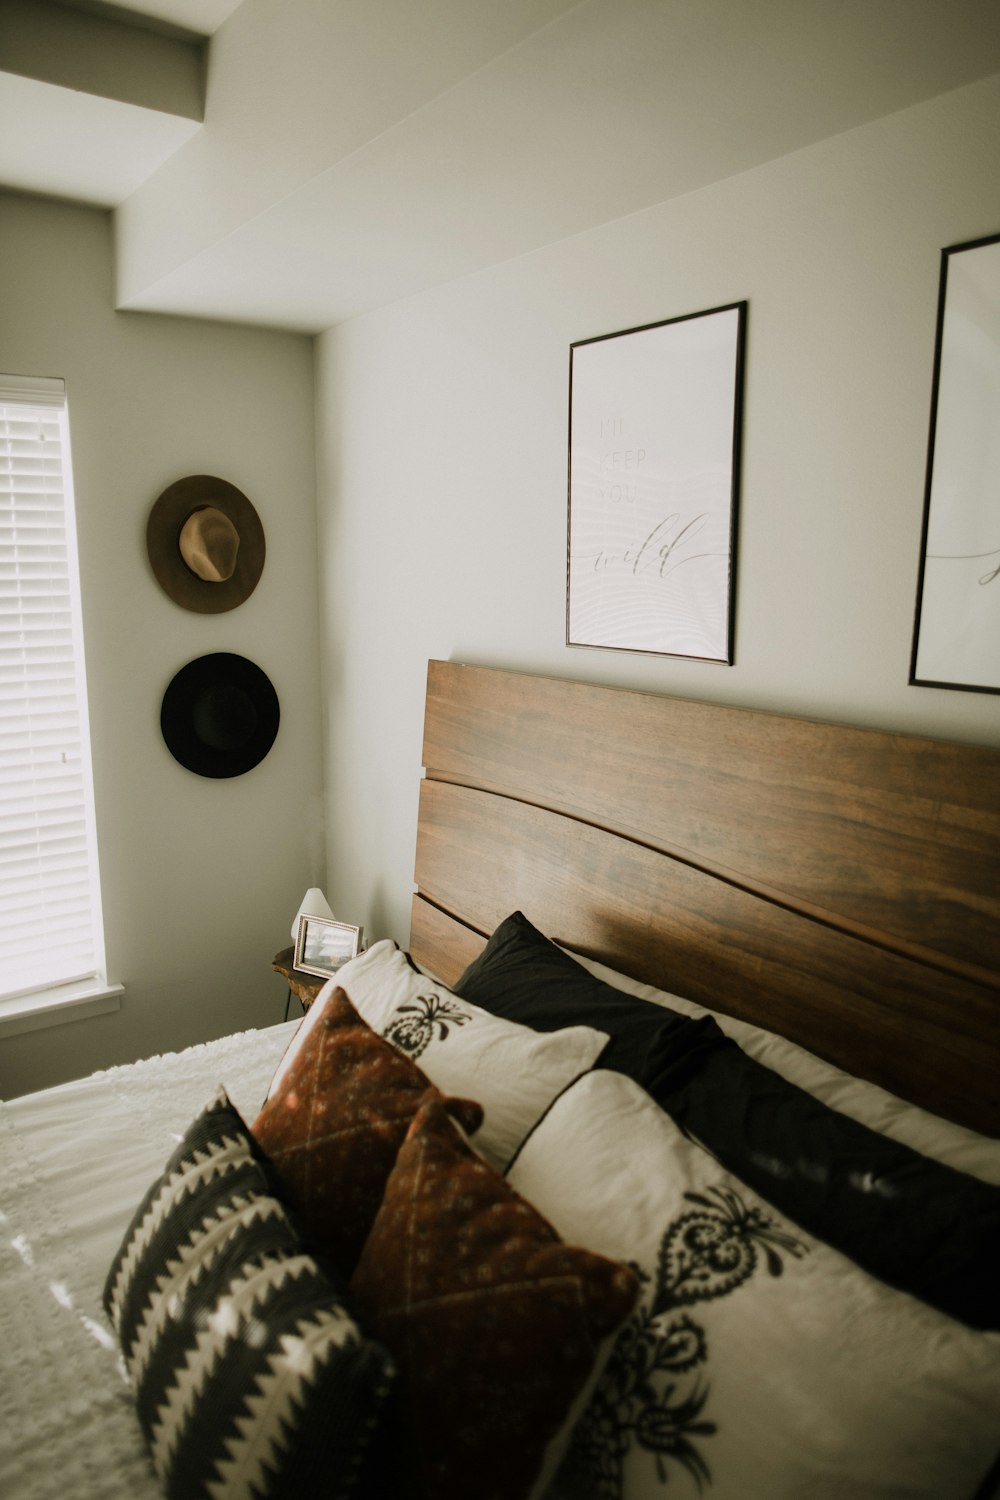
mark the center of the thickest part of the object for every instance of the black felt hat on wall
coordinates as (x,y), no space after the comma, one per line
(205,543)
(219,716)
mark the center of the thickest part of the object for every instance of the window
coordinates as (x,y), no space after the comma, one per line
(51,932)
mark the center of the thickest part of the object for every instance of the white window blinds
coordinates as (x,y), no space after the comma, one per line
(50,921)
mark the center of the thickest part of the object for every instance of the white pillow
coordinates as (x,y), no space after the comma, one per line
(944,1141)
(761,1364)
(512,1071)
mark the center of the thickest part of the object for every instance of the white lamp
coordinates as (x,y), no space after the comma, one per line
(313,904)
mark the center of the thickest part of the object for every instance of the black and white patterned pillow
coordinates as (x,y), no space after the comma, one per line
(251,1374)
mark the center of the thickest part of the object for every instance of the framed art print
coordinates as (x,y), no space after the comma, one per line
(654,461)
(956,637)
(322,945)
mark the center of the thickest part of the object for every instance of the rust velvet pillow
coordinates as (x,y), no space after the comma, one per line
(499,1330)
(334,1120)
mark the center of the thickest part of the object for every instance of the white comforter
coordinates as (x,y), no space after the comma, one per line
(74,1164)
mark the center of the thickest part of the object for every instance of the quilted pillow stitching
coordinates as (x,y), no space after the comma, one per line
(498,1327)
(333,1125)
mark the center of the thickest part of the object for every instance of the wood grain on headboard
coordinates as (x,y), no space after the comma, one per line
(838,885)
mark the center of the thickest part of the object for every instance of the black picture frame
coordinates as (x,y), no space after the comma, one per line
(956,631)
(654,459)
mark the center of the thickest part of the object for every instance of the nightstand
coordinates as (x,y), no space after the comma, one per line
(305,987)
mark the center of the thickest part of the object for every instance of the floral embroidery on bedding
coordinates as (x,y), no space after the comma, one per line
(421,1021)
(653,1391)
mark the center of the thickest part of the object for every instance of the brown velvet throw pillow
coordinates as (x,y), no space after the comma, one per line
(335,1120)
(498,1329)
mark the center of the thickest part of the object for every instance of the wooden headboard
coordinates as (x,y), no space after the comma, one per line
(840,886)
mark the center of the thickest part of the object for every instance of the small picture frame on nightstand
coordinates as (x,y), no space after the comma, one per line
(323,946)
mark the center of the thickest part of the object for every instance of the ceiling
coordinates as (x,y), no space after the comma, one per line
(296,162)
(68,128)
(202,17)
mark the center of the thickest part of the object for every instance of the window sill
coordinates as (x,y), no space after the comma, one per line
(74,1002)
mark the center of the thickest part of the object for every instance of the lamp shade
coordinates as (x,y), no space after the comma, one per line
(313,904)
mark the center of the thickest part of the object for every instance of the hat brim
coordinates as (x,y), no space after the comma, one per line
(219,715)
(163,529)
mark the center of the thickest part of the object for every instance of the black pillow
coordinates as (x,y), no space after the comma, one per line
(923,1227)
(524,977)
(250,1370)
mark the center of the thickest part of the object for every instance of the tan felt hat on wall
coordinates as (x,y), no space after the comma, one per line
(205,544)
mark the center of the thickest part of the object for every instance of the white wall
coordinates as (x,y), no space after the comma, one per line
(200,878)
(442,461)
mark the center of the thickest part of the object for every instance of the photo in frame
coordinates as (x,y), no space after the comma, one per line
(322,946)
(655,417)
(956,635)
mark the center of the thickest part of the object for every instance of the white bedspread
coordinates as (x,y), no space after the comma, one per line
(74,1163)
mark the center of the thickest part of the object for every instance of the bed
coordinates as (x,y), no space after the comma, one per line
(662,1164)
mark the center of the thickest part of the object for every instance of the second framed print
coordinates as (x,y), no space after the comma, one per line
(956,635)
(654,461)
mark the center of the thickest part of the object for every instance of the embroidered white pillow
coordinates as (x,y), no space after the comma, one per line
(760,1364)
(512,1071)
